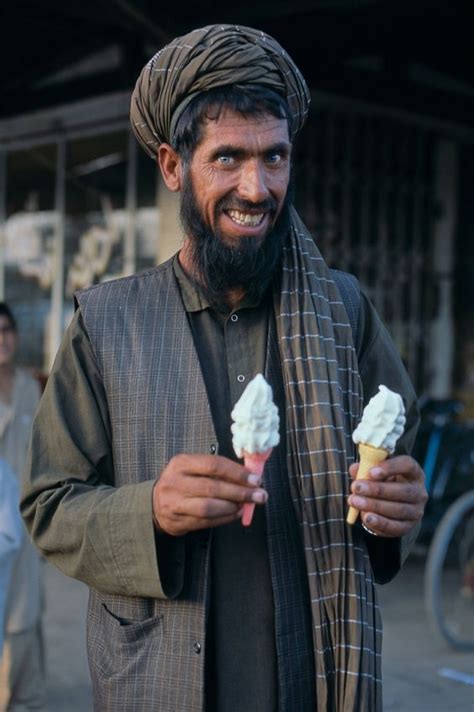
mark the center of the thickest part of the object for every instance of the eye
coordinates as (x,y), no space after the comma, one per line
(225,159)
(274,158)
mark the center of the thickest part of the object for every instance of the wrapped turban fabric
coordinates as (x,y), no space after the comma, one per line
(319,367)
(204,59)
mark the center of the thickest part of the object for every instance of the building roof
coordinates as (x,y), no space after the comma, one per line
(414,55)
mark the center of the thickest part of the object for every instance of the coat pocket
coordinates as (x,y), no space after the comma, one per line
(119,645)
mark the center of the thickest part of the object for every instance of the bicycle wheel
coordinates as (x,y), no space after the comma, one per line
(449,575)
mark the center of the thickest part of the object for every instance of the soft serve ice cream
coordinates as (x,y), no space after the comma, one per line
(256,419)
(255,430)
(383,421)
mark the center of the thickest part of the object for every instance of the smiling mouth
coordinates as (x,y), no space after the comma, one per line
(246,219)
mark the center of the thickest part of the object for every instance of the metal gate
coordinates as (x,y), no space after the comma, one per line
(365,191)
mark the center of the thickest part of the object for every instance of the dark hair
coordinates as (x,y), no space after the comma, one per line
(6,311)
(249,100)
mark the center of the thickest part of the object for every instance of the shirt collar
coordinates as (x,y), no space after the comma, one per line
(193,299)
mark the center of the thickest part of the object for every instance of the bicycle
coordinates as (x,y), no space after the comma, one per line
(446,449)
(449,575)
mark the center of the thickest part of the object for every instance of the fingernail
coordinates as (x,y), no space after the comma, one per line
(376,472)
(360,488)
(259,497)
(370,519)
(254,480)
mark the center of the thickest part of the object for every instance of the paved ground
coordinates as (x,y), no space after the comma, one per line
(65,643)
(412,655)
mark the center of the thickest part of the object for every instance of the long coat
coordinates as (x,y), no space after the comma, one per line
(125,395)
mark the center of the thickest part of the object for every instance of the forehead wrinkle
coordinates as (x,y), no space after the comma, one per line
(245,136)
(234,120)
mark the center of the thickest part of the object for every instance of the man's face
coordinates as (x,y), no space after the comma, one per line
(235,206)
(240,173)
(7,341)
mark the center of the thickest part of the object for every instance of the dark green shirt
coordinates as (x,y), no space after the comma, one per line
(241,667)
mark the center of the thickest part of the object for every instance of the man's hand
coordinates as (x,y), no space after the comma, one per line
(391,501)
(202,491)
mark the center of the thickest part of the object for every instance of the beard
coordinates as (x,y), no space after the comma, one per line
(247,264)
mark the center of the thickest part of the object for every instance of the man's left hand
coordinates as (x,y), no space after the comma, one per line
(392,500)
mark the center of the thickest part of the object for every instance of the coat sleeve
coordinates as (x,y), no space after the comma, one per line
(380,363)
(92,530)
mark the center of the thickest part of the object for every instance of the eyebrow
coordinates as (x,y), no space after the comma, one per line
(238,152)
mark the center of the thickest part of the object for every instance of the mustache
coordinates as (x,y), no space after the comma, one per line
(269,205)
(247,264)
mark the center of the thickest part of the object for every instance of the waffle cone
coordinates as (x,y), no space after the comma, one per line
(255,462)
(369,456)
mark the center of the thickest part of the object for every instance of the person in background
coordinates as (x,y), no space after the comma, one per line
(11,534)
(22,673)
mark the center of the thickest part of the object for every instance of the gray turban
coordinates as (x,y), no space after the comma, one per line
(204,59)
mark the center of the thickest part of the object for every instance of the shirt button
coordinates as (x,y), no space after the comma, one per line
(234,317)
(197,648)
(240,378)
(213,449)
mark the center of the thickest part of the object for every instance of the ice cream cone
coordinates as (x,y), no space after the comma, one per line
(255,462)
(369,456)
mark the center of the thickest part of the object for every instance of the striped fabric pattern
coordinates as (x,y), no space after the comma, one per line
(323,405)
(158,407)
(206,58)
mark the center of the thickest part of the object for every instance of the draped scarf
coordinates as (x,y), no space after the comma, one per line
(320,372)
(323,405)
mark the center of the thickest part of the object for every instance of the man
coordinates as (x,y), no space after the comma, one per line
(22,673)
(133,485)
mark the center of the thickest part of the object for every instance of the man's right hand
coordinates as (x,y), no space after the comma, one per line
(202,491)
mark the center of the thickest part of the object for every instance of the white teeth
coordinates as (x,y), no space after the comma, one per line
(245,218)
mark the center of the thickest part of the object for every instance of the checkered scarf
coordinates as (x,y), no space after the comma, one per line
(324,403)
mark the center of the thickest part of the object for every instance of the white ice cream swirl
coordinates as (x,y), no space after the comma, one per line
(383,421)
(256,419)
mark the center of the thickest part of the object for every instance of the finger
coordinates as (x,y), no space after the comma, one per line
(212,466)
(388,490)
(402,465)
(204,513)
(401,511)
(354,469)
(181,524)
(218,489)
(210,509)
(385,527)
(375,473)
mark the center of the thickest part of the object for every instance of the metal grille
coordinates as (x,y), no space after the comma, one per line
(364,189)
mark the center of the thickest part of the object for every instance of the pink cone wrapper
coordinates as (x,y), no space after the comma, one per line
(255,462)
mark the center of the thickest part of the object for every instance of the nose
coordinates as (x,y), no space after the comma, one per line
(252,184)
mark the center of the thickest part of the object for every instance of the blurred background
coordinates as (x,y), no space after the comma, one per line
(384,176)
(384,168)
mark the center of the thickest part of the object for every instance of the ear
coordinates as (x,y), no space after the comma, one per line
(170,167)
